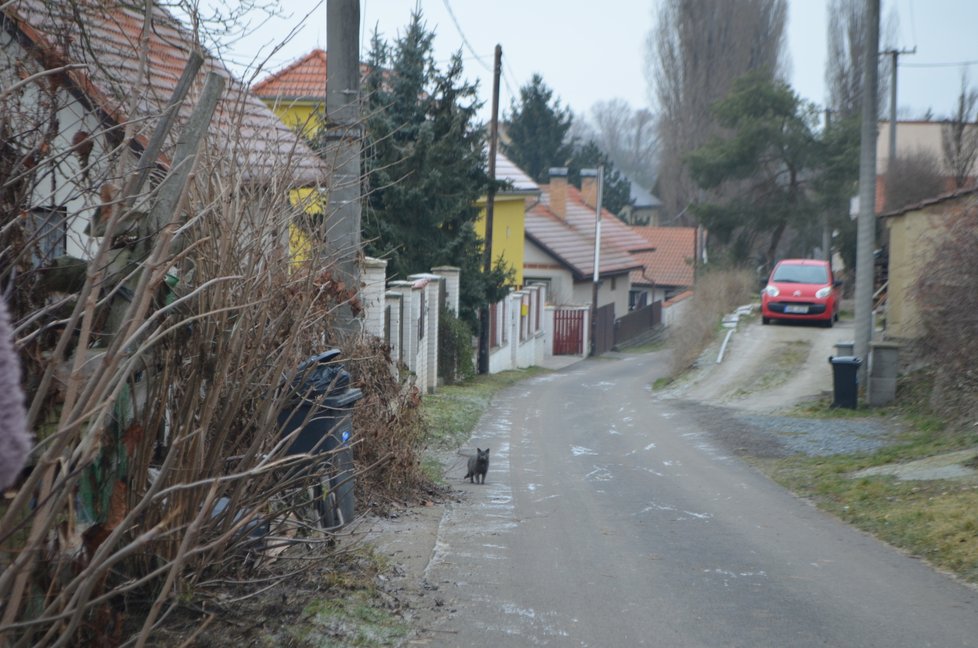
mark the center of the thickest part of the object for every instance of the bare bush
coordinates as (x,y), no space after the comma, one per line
(160,324)
(715,294)
(913,178)
(948,308)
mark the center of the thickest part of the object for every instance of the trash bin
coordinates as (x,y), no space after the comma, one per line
(321,404)
(845,380)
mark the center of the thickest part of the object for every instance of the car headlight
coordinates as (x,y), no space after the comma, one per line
(822,293)
(771,291)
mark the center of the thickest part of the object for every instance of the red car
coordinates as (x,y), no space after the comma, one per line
(801,290)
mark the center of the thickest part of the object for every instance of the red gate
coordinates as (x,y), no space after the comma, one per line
(569,332)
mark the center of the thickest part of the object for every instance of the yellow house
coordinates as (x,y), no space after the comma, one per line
(914,234)
(297,96)
(508,211)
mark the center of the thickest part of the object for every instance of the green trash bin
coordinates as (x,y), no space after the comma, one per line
(845,380)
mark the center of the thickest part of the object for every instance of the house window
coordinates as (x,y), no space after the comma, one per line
(614,280)
(46,229)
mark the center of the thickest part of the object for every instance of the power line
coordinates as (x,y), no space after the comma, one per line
(461,33)
(939,65)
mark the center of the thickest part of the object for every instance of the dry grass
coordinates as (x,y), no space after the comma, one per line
(715,294)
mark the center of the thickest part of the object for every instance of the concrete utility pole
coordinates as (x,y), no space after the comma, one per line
(490,203)
(894,54)
(826,229)
(866,226)
(343,137)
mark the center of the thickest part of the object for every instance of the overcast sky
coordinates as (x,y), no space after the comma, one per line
(595,51)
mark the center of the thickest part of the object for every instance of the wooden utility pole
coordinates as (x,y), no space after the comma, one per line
(866,226)
(490,203)
(343,137)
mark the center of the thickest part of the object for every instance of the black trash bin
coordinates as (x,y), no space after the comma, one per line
(321,404)
(845,380)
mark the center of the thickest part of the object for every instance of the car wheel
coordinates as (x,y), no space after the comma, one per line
(765,320)
(836,316)
(829,322)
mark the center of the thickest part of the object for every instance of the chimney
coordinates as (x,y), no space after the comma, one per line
(589,187)
(558,191)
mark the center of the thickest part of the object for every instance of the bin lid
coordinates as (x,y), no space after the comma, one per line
(845,360)
(320,374)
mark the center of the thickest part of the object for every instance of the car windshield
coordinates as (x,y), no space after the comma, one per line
(804,274)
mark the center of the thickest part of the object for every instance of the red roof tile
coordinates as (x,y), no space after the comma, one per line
(301,79)
(671,262)
(105,38)
(571,241)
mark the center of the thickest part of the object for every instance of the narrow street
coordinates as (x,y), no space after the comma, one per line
(610,517)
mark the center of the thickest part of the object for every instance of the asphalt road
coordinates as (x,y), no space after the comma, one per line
(610,517)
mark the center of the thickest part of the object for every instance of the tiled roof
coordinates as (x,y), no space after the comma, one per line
(581,216)
(671,263)
(301,79)
(571,241)
(507,170)
(951,195)
(105,38)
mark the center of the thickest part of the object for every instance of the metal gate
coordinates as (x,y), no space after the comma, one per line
(569,332)
(604,329)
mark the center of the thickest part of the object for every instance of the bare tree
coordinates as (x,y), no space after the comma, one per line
(844,65)
(628,137)
(694,54)
(913,178)
(959,136)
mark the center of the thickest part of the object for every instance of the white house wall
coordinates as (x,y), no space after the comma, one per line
(60,180)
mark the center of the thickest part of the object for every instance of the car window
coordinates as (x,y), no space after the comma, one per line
(806,274)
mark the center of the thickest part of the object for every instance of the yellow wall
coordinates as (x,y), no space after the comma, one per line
(913,238)
(507,231)
(297,115)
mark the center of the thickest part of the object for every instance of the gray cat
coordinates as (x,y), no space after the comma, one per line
(478,466)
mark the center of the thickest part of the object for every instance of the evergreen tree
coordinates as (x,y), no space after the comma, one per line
(760,170)
(425,165)
(537,131)
(617,189)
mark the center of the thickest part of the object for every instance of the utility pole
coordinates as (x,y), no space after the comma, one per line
(894,54)
(866,225)
(826,229)
(490,203)
(343,139)
(597,261)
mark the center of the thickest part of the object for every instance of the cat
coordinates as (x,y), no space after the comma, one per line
(478,466)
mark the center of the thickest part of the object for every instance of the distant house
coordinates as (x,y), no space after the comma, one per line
(297,93)
(915,233)
(668,269)
(508,222)
(918,136)
(96,87)
(643,208)
(560,246)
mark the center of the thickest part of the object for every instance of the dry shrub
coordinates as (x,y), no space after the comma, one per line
(948,307)
(716,293)
(388,428)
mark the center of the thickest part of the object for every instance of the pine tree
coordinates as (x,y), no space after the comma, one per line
(425,165)
(537,129)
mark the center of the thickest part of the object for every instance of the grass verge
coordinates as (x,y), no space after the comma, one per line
(933,519)
(452,412)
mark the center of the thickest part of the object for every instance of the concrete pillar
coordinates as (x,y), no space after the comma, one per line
(409,323)
(452,277)
(393,300)
(884,364)
(372,295)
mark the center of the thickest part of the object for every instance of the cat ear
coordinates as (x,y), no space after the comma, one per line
(487,450)
(478,449)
